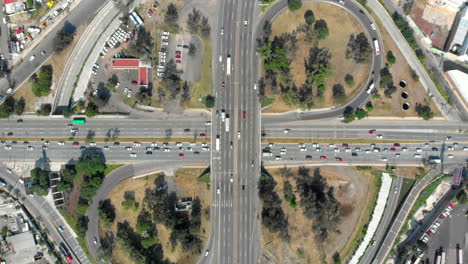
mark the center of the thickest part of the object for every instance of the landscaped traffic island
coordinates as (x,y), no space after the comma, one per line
(315,57)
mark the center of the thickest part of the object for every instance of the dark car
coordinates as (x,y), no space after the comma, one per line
(435,149)
(10,134)
(19,121)
(243,187)
(149,153)
(116,143)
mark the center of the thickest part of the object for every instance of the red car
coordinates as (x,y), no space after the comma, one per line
(178,57)
(323,157)
(396,144)
(372,74)
(244,114)
(371,131)
(451,205)
(76,143)
(344,145)
(308,157)
(181,154)
(442,216)
(202,135)
(134,82)
(69,258)
(150,12)
(430,232)
(178,61)
(339,159)
(392,149)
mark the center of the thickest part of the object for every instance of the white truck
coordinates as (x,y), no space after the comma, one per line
(226,123)
(228,65)
(218,143)
(371,87)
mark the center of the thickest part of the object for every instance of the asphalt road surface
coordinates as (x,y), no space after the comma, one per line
(80,16)
(48,217)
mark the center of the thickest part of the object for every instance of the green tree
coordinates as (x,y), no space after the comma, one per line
(42,81)
(424,111)
(91,110)
(29,3)
(390,58)
(294,4)
(67,112)
(171,17)
(349,79)
(130,205)
(44,110)
(91,164)
(20,105)
(40,181)
(309,17)
(209,101)
(62,40)
(369,106)
(462,197)
(361,113)
(321,29)
(349,115)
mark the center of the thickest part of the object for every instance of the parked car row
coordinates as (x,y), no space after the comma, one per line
(435,226)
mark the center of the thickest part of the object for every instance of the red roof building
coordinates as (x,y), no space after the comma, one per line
(132,64)
(6,2)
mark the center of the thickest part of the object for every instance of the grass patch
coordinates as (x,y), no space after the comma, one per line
(110,168)
(130,101)
(267,101)
(203,87)
(406,186)
(204,178)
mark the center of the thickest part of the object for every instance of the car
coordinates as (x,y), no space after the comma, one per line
(344,145)
(417,156)
(46,142)
(238,135)
(178,57)
(218,191)
(339,159)
(392,149)
(397,155)
(134,82)
(383,159)
(95,241)
(286,131)
(404,149)
(277,157)
(178,52)
(92,144)
(442,216)
(372,73)
(148,148)
(32,57)
(69,258)
(331,145)
(449,148)
(376,150)
(308,157)
(178,61)
(357,149)
(61,143)
(429,232)
(10,134)
(302,149)
(451,205)
(75,143)
(149,152)
(336,150)
(60,228)
(150,12)
(181,155)
(396,144)
(133,155)
(323,157)
(45,147)
(208,123)
(450,156)
(435,149)
(448,138)
(379,136)
(202,135)
(373,26)
(245,22)
(9,90)
(129,148)
(244,114)
(82,147)
(167,150)
(354,154)
(136,144)
(243,187)
(347,150)
(455,144)
(196,153)
(207,252)
(395,190)
(9,170)
(106,147)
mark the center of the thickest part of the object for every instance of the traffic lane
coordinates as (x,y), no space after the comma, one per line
(68,152)
(101,128)
(80,15)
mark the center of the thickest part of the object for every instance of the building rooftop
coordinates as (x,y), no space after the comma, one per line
(21,242)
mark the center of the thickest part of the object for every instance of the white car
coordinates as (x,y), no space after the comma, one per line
(92,144)
(379,136)
(449,148)
(208,123)
(8,147)
(8,170)
(301,145)
(61,143)
(347,150)
(32,57)
(278,158)
(450,156)
(133,155)
(336,150)
(167,150)
(129,148)
(417,156)
(286,131)
(179,144)
(238,135)
(153,144)
(383,159)
(373,26)
(137,144)
(218,191)
(303,149)
(405,149)
(106,147)
(418,150)
(397,155)
(207,252)
(9,91)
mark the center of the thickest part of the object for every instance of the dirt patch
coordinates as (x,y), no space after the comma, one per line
(73,196)
(385,106)
(353,190)
(340,24)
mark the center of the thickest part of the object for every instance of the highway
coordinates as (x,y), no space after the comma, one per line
(48,217)
(20,73)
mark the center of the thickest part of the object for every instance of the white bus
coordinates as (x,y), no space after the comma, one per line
(228,65)
(217,143)
(135,22)
(376,44)
(137,17)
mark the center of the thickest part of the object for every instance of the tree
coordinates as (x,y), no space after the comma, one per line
(106,212)
(424,111)
(91,110)
(386,78)
(414,75)
(390,58)
(19,106)
(40,181)
(42,81)
(62,40)
(338,91)
(349,79)
(67,112)
(44,110)
(171,17)
(8,107)
(193,21)
(462,197)
(294,4)
(321,29)
(309,17)
(361,113)
(90,164)
(349,114)
(369,106)
(192,49)
(209,101)
(358,48)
